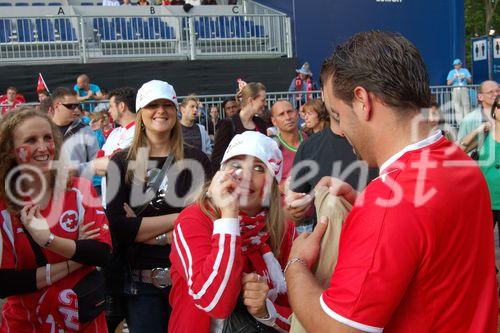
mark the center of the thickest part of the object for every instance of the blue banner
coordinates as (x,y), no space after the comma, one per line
(496,58)
(480,55)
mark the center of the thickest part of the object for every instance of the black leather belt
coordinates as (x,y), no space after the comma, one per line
(158,277)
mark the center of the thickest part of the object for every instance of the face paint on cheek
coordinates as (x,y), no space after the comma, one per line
(23,153)
(51,148)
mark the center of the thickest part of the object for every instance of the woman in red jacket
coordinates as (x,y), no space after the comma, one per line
(230,248)
(53,234)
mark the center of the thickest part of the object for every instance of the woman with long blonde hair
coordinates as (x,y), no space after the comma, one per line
(252,99)
(231,246)
(147,186)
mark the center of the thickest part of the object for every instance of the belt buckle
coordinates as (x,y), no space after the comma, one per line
(160,277)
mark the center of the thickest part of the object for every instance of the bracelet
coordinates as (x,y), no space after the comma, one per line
(49,240)
(67,265)
(47,275)
(162,239)
(293,261)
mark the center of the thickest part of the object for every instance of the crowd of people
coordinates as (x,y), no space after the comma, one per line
(144,215)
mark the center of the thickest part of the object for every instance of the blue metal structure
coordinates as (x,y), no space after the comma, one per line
(436,27)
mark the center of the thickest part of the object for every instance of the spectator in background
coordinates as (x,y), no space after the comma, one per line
(142,3)
(126,3)
(177,2)
(45,106)
(436,119)
(315,116)
(195,135)
(230,107)
(252,98)
(87,92)
(10,100)
(214,122)
(302,84)
(208,2)
(110,3)
(104,105)
(43,95)
(97,120)
(80,144)
(286,119)
(459,78)
(487,92)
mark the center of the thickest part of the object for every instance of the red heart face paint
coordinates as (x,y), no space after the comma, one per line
(23,153)
(51,148)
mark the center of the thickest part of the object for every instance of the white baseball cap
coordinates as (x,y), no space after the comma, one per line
(258,145)
(153,90)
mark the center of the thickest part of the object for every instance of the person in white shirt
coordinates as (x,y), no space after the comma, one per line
(194,134)
(121,106)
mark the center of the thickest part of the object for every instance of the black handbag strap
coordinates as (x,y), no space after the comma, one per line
(156,185)
(40,258)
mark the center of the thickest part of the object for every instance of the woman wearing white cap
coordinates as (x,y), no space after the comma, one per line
(230,247)
(156,163)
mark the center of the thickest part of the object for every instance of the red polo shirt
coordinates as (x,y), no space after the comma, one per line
(416,253)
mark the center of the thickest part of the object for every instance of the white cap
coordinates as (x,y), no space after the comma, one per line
(153,90)
(258,145)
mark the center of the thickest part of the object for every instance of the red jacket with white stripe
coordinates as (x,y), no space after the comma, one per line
(207,266)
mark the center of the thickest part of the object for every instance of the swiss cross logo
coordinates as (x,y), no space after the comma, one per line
(69,221)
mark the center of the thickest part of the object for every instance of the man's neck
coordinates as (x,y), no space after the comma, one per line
(400,136)
(291,137)
(187,122)
(126,119)
(60,123)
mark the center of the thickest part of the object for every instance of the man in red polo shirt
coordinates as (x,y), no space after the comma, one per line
(416,253)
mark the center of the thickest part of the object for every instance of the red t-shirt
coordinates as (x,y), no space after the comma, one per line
(26,313)
(424,260)
(207,264)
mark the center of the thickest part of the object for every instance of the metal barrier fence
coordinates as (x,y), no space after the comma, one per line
(442,94)
(85,39)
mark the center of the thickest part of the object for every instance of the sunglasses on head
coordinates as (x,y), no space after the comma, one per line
(71,106)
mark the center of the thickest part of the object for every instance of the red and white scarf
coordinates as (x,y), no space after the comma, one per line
(254,247)
(309,88)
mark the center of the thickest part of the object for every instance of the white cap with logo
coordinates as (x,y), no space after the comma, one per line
(258,145)
(153,90)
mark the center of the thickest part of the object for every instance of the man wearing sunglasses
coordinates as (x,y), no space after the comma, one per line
(80,144)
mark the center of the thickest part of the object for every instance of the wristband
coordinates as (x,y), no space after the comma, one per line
(47,275)
(293,261)
(49,240)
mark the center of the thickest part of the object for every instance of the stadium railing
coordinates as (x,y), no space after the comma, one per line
(442,94)
(98,34)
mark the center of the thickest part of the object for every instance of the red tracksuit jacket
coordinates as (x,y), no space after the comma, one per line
(207,265)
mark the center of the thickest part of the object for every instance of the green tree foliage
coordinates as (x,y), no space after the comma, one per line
(480,17)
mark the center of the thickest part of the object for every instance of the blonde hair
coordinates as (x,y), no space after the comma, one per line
(275,219)
(141,141)
(7,159)
(190,98)
(251,90)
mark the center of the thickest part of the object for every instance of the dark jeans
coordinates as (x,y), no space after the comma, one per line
(148,311)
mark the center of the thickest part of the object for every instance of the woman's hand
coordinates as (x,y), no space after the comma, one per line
(85,231)
(36,224)
(254,292)
(223,192)
(483,128)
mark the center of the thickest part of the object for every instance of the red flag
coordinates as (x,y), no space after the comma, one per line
(41,86)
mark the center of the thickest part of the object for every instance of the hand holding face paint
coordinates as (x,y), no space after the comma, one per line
(223,192)
(35,223)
